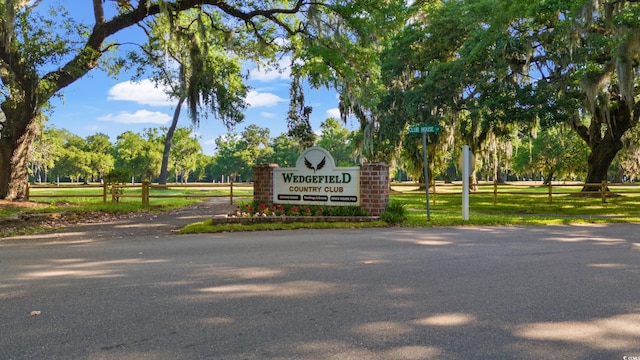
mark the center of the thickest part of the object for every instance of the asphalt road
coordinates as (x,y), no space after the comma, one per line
(553,292)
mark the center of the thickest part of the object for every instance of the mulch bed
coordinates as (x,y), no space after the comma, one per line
(219,220)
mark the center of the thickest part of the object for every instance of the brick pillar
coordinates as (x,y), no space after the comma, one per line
(263,183)
(374,187)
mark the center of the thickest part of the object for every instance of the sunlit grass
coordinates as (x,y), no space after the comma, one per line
(208,226)
(533,208)
(446,210)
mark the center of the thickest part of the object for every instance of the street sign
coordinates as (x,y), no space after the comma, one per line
(424,129)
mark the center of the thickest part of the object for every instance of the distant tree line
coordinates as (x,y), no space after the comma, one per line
(537,89)
(59,155)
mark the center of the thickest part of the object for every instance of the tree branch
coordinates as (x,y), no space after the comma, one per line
(98,11)
(87,59)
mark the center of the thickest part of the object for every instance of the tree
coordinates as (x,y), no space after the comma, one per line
(47,148)
(255,144)
(236,155)
(228,160)
(286,151)
(186,150)
(73,160)
(343,53)
(196,62)
(140,156)
(200,172)
(454,76)
(607,49)
(102,151)
(41,55)
(580,62)
(554,153)
(527,64)
(129,147)
(628,157)
(336,139)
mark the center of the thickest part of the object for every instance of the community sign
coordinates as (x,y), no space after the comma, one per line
(317,181)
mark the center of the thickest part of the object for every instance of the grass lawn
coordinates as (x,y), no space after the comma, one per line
(532,208)
(446,210)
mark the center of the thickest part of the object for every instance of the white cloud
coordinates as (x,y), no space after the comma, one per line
(335,113)
(258,99)
(143,92)
(139,117)
(210,141)
(280,72)
(267,115)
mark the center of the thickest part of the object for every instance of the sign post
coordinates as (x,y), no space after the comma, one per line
(424,130)
(466,155)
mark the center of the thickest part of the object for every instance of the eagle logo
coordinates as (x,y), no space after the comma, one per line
(317,167)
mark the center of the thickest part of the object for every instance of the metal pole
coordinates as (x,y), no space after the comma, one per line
(426,172)
(465,182)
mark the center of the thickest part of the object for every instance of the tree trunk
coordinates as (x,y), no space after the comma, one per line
(164,168)
(15,149)
(549,177)
(599,161)
(603,136)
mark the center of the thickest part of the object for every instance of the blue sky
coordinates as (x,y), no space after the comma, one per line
(100,104)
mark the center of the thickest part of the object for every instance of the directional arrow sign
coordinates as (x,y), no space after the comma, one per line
(424,129)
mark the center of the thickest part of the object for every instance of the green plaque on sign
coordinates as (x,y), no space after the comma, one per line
(424,129)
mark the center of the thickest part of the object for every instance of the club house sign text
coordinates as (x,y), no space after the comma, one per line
(317,181)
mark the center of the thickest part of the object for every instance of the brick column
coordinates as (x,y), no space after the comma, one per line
(263,183)
(374,187)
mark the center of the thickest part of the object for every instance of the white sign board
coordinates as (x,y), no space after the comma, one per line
(317,181)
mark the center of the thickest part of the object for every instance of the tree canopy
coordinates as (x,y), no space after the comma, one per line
(491,73)
(41,54)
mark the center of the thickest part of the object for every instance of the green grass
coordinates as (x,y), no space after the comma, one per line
(446,209)
(208,227)
(532,209)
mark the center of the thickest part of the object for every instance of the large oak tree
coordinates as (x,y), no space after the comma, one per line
(42,54)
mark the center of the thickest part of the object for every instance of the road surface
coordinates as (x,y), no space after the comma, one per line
(570,292)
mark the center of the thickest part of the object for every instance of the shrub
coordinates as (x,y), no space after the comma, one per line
(345,211)
(255,209)
(395,213)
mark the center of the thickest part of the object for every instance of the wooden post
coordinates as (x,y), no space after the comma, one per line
(104,192)
(145,192)
(231,193)
(114,198)
(550,192)
(604,191)
(495,191)
(28,191)
(434,193)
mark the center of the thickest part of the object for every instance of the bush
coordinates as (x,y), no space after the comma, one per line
(395,213)
(254,209)
(345,211)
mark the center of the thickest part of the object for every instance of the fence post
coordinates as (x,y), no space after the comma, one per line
(114,198)
(28,191)
(495,191)
(604,191)
(145,192)
(550,192)
(434,193)
(104,192)
(231,193)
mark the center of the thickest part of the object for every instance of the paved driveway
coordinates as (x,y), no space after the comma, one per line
(570,292)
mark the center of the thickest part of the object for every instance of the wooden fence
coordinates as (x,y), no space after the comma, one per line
(143,191)
(605,189)
(146,191)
